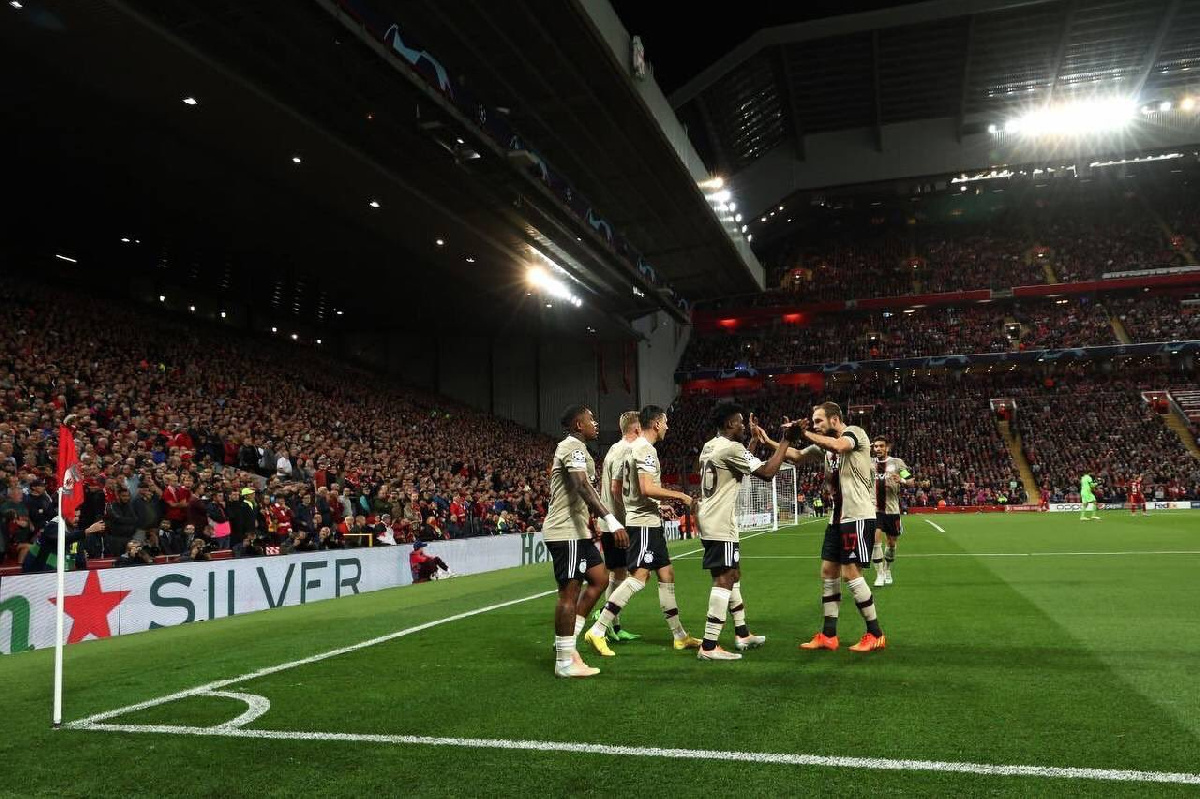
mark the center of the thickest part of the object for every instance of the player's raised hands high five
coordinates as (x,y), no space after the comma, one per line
(794,431)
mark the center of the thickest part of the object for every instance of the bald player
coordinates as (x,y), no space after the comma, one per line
(850,535)
(891,474)
(724,461)
(610,495)
(569,540)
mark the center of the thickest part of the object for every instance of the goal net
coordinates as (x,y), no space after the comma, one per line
(767,504)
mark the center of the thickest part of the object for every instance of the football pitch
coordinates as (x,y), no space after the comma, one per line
(1027,655)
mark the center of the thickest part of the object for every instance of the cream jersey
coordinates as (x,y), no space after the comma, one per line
(611,470)
(567,516)
(887,491)
(723,464)
(640,510)
(851,477)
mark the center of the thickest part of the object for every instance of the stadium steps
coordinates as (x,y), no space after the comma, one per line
(1187,401)
(1048,269)
(1013,440)
(1176,421)
(1119,329)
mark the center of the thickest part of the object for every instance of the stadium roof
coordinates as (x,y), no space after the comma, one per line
(109,151)
(963,59)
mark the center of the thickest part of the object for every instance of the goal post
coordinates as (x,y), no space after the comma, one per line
(767,504)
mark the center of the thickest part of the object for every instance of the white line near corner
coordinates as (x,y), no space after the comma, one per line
(258,705)
(872,763)
(89,721)
(936,526)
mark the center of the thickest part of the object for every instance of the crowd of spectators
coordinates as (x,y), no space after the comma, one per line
(965,463)
(186,431)
(1105,429)
(1076,233)
(1159,319)
(1083,417)
(1040,324)
(193,438)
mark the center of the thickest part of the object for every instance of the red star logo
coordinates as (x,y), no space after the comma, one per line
(89,610)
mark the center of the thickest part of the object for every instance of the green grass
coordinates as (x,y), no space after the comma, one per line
(1070,660)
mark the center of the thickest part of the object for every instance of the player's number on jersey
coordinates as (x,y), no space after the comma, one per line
(708,482)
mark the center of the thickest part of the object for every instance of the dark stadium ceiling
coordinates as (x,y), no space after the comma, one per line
(108,149)
(960,59)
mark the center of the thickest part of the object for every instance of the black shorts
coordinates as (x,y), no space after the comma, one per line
(721,554)
(572,559)
(647,549)
(889,524)
(614,556)
(849,542)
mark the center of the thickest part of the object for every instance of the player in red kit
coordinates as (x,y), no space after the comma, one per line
(1137,496)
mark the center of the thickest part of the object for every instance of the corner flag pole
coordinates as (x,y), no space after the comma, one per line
(58,613)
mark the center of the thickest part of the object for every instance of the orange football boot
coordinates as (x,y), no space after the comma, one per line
(870,643)
(821,641)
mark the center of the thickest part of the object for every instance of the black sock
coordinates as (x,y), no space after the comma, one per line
(830,629)
(873,628)
(741,631)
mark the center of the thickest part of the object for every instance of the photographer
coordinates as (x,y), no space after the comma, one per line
(423,566)
(135,554)
(198,550)
(329,539)
(297,541)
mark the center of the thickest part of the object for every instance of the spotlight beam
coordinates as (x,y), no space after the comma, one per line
(1164,25)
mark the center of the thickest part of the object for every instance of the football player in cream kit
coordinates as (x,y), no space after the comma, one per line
(724,461)
(615,557)
(891,474)
(641,492)
(569,541)
(850,536)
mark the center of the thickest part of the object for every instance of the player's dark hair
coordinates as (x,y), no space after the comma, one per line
(570,414)
(724,412)
(881,438)
(649,414)
(831,409)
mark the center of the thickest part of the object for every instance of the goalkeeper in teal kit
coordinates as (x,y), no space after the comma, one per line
(1087,497)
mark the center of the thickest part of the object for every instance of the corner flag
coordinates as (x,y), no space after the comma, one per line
(70,495)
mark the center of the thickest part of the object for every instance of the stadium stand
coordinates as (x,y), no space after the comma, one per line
(197,412)
(1080,232)
(1076,419)
(1041,324)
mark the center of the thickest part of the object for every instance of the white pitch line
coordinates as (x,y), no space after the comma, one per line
(993,554)
(213,686)
(936,526)
(872,763)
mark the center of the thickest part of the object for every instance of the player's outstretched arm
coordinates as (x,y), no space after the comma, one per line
(769,469)
(581,484)
(652,490)
(793,455)
(839,444)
